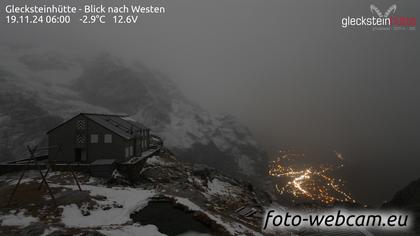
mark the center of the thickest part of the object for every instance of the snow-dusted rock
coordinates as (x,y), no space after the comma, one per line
(39,89)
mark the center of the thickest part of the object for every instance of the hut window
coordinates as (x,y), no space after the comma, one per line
(131,151)
(138,146)
(94,138)
(108,138)
(144,144)
(127,152)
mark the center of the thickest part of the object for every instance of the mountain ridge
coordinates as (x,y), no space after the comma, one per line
(49,87)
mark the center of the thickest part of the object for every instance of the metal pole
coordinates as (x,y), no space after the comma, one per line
(49,166)
(16,186)
(21,177)
(32,151)
(77,182)
(42,181)
(75,179)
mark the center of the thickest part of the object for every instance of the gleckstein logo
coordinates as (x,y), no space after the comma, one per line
(380,21)
(375,9)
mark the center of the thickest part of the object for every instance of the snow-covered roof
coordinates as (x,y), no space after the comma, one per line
(119,124)
(126,128)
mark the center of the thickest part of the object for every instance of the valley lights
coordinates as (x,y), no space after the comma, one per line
(313,183)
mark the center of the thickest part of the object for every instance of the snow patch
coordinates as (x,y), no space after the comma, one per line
(186,202)
(49,231)
(131,199)
(19,219)
(155,160)
(218,187)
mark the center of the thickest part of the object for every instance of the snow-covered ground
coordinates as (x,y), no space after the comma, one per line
(218,187)
(107,210)
(130,199)
(19,219)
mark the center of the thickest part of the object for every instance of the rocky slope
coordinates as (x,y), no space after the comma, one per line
(172,198)
(40,88)
(408,198)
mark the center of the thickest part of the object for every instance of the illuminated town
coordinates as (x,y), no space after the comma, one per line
(310,183)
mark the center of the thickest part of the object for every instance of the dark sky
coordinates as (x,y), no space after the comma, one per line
(288,71)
